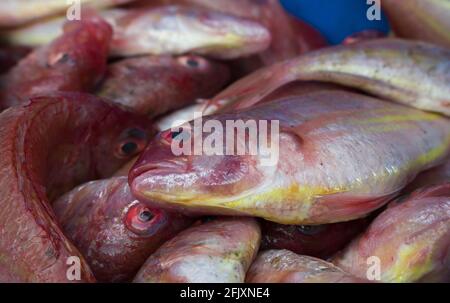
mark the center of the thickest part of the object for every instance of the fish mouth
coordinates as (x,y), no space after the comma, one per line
(156,169)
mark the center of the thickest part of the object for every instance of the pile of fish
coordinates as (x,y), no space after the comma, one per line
(91,189)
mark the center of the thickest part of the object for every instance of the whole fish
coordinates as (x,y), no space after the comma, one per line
(290,36)
(338,157)
(10,56)
(76,61)
(426,20)
(320,241)
(115,232)
(18,12)
(284,266)
(50,145)
(413,73)
(218,251)
(410,239)
(154,85)
(167,30)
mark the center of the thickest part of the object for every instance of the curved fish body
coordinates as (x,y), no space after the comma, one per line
(48,146)
(336,157)
(413,73)
(411,240)
(18,12)
(218,251)
(320,241)
(426,20)
(76,61)
(154,85)
(115,232)
(284,266)
(166,30)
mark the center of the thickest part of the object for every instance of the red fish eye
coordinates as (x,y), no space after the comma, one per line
(141,220)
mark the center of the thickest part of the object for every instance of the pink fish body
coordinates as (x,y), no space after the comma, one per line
(284,266)
(404,64)
(49,146)
(218,251)
(75,61)
(410,240)
(341,156)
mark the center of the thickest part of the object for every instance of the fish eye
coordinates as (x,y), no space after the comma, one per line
(129,148)
(193,62)
(145,215)
(140,220)
(134,142)
(310,229)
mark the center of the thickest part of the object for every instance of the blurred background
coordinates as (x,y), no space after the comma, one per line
(336,19)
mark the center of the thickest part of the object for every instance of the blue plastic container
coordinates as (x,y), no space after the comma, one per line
(336,19)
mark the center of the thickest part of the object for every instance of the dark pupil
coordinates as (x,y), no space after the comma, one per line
(192,63)
(175,134)
(129,148)
(145,216)
(308,229)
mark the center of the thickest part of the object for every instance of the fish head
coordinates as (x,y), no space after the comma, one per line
(203,76)
(120,142)
(202,175)
(217,34)
(113,230)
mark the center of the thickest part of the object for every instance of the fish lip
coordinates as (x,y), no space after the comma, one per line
(165,166)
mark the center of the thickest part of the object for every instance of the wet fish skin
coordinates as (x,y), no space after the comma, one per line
(50,145)
(19,12)
(154,85)
(167,30)
(284,266)
(193,111)
(290,36)
(409,72)
(76,61)
(410,238)
(426,20)
(218,251)
(369,158)
(434,176)
(115,232)
(321,241)
(163,31)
